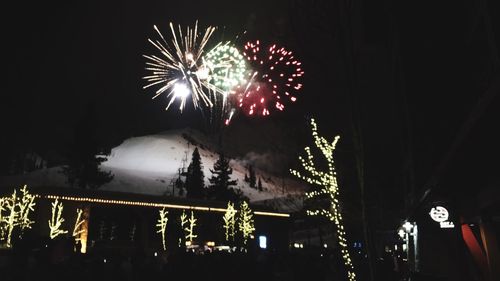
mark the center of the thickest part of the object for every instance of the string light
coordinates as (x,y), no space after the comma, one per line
(9,222)
(18,209)
(81,228)
(3,205)
(78,229)
(155,205)
(162,226)
(246,222)
(327,180)
(190,229)
(26,205)
(229,221)
(56,220)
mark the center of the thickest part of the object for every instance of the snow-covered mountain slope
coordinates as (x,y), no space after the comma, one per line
(149,164)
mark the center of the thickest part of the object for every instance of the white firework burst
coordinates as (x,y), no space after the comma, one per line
(180,71)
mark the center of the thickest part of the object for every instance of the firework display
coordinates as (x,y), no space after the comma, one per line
(227,66)
(179,70)
(258,80)
(274,81)
(227,69)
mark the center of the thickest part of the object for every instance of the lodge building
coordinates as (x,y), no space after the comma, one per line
(127,221)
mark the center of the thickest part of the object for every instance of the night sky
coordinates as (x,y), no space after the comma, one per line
(432,57)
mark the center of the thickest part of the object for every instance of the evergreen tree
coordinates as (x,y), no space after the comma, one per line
(194,177)
(251,176)
(220,182)
(259,185)
(179,184)
(86,155)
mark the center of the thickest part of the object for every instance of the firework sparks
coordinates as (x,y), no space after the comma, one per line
(227,69)
(179,70)
(274,82)
(227,66)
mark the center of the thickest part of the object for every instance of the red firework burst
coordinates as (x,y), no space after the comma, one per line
(274,81)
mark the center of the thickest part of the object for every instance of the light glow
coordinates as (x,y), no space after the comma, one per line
(181,91)
(263,242)
(80,230)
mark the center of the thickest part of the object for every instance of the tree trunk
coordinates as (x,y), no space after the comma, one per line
(347,14)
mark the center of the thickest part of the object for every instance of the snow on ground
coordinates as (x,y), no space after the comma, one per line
(149,164)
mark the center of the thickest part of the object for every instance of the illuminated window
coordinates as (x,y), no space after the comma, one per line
(263,242)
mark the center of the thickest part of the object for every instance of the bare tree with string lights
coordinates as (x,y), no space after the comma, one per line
(327,181)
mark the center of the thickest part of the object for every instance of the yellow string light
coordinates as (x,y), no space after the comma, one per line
(153,204)
(162,226)
(246,222)
(327,180)
(9,222)
(18,207)
(56,220)
(77,229)
(229,221)
(190,229)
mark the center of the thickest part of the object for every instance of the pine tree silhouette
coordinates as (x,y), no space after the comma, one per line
(194,177)
(251,176)
(86,154)
(220,182)
(259,185)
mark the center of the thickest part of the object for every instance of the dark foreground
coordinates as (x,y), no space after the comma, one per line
(53,265)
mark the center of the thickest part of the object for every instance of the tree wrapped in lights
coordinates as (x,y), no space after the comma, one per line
(18,209)
(190,228)
(246,222)
(9,221)
(327,180)
(56,220)
(229,221)
(79,222)
(184,221)
(26,205)
(3,225)
(162,226)
(81,228)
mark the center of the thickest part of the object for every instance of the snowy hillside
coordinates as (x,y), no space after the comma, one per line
(149,164)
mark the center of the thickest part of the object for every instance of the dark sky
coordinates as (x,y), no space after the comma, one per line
(60,57)
(433,57)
